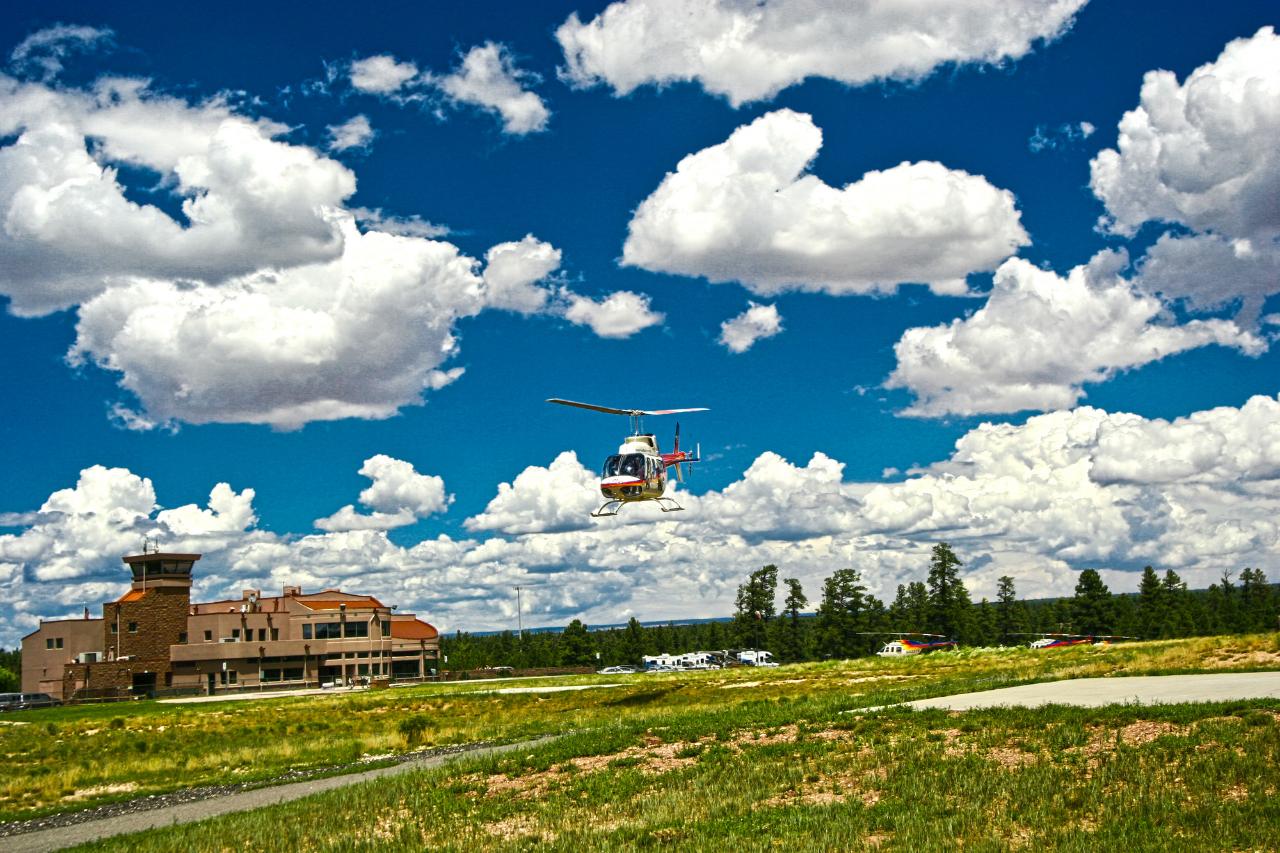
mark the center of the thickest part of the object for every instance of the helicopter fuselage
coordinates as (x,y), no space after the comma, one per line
(637,472)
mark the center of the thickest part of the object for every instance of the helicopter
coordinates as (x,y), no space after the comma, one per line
(911,643)
(1054,641)
(638,471)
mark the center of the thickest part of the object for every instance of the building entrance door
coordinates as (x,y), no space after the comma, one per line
(144,683)
(212,683)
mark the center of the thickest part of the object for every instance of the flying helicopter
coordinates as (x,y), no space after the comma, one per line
(638,471)
(1054,641)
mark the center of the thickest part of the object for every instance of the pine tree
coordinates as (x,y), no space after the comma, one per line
(1010,618)
(755,607)
(1177,606)
(948,599)
(1091,608)
(791,634)
(984,624)
(576,648)
(633,642)
(1152,615)
(1258,606)
(840,615)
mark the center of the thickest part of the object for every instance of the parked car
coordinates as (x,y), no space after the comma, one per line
(618,670)
(23,701)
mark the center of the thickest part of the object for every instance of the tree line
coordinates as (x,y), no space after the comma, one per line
(850,622)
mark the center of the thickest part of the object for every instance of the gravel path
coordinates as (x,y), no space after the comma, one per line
(172,809)
(1142,690)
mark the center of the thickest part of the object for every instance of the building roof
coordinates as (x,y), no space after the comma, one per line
(159,555)
(413,629)
(131,595)
(367,603)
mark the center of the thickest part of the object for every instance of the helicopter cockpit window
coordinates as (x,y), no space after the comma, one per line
(633,465)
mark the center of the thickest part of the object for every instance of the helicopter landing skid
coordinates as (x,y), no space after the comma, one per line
(610,508)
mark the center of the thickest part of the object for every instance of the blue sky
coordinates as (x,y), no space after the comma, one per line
(202,289)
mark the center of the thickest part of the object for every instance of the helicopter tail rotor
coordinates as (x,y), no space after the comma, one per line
(679,473)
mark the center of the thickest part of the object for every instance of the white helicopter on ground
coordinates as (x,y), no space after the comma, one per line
(638,471)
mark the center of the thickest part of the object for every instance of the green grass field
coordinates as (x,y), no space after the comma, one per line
(751,758)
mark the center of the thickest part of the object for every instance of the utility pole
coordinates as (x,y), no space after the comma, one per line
(519,613)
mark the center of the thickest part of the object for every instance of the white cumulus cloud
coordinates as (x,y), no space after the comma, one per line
(70,231)
(619,315)
(398,496)
(558,497)
(355,132)
(1202,154)
(1037,500)
(751,51)
(382,74)
(262,302)
(745,210)
(1040,337)
(487,77)
(512,271)
(740,333)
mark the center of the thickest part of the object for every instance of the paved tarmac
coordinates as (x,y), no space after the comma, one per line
(1140,690)
(82,833)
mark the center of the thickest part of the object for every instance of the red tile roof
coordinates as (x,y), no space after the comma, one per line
(413,629)
(131,595)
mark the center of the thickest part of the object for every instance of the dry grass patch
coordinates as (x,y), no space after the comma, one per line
(518,826)
(100,790)
(831,789)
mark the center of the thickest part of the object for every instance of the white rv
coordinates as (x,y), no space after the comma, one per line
(756,657)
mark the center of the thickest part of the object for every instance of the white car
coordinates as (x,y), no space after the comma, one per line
(618,670)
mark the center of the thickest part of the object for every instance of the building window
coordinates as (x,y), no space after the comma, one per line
(357,629)
(208,636)
(182,637)
(53,643)
(306,631)
(114,628)
(328,630)
(262,634)
(133,627)
(235,633)
(275,633)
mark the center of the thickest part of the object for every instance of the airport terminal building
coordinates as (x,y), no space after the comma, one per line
(153,638)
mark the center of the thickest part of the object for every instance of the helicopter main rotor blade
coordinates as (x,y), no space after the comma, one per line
(609,410)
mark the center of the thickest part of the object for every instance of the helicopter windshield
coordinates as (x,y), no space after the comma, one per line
(630,465)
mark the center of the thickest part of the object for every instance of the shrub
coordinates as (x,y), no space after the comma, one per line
(413,727)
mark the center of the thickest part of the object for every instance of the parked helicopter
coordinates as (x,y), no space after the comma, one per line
(1053,641)
(912,643)
(638,471)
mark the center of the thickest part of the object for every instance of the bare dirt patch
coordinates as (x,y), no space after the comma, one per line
(1259,657)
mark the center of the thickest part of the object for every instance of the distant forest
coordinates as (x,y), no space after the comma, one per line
(850,623)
